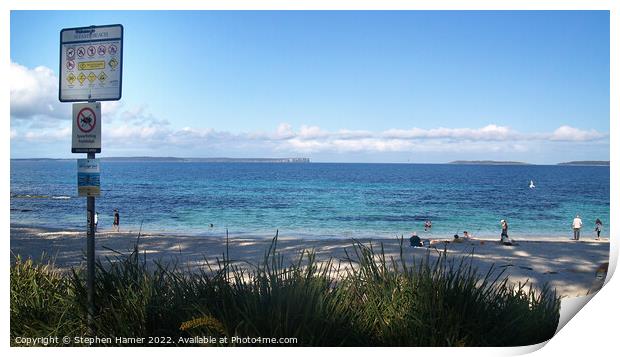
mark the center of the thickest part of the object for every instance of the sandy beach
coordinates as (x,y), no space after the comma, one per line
(569,267)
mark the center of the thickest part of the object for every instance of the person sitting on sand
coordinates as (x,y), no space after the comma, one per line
(467,235)
(415,240)
(456,239)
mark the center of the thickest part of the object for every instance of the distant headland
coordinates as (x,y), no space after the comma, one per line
(487,162)
(189,159)
(210,159)
(298,160)
(585,163)
(492,162)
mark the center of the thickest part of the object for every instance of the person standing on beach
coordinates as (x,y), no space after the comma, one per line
(598,227)
(577,227)
(504,236)
(428,225)
(116,224)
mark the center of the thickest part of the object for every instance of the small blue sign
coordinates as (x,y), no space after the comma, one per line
(88,177)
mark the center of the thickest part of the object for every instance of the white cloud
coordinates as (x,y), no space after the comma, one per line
(43,136)
(110,109)
(34,93)
(284,131)
(567,133)
(140,133)
(345,134)
(312,132)
(126,132)
(140,115)
(489,132)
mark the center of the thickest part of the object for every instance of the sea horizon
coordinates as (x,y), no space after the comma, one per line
(309,160)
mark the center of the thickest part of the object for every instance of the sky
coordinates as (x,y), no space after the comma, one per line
(333,86)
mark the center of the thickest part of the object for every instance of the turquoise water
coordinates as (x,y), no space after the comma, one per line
(316,199)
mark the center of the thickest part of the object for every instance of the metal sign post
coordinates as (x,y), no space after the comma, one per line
(90,256)
(91,70)
(89,187)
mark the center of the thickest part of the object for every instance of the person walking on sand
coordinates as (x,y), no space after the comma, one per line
(577,227)
(116,224)
(598,227)
(504,236)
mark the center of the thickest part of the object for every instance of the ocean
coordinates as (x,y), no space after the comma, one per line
(316,200)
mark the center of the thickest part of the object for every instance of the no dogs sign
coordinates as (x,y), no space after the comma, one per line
(86,128)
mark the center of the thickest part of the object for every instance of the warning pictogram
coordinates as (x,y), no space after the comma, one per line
(86,127)
(112,50)
(101,50)
(91,77)
(70,64)
(91,51)
(70,53)
(81,77)
(86,120)
(113,63)
(102,76)
(88,65)
(81,51)
(70,78)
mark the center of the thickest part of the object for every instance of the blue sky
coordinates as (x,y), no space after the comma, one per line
(373,86)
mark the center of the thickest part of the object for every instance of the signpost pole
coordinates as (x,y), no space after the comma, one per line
(90,257)
(91,70)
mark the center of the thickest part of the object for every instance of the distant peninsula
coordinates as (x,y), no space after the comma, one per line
(209,159)
(585,163)
(184,159)
(487,162)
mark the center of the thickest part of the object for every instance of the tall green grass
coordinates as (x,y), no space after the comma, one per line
(367,300)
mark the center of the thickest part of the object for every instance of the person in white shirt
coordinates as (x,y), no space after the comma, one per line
(576,227)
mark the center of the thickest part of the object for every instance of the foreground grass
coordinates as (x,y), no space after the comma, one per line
(376,301)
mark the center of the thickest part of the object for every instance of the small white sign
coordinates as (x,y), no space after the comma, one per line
(88,178)
(91,63)
(86,136)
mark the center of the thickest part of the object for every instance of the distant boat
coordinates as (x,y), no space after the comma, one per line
(532,184)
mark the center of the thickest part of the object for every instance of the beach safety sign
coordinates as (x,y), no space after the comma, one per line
(91,63)
(86,129)
(88,177)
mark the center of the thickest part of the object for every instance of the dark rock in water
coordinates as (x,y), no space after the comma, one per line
(21,210)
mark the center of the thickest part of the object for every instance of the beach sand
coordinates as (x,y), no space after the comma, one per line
(569,267)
